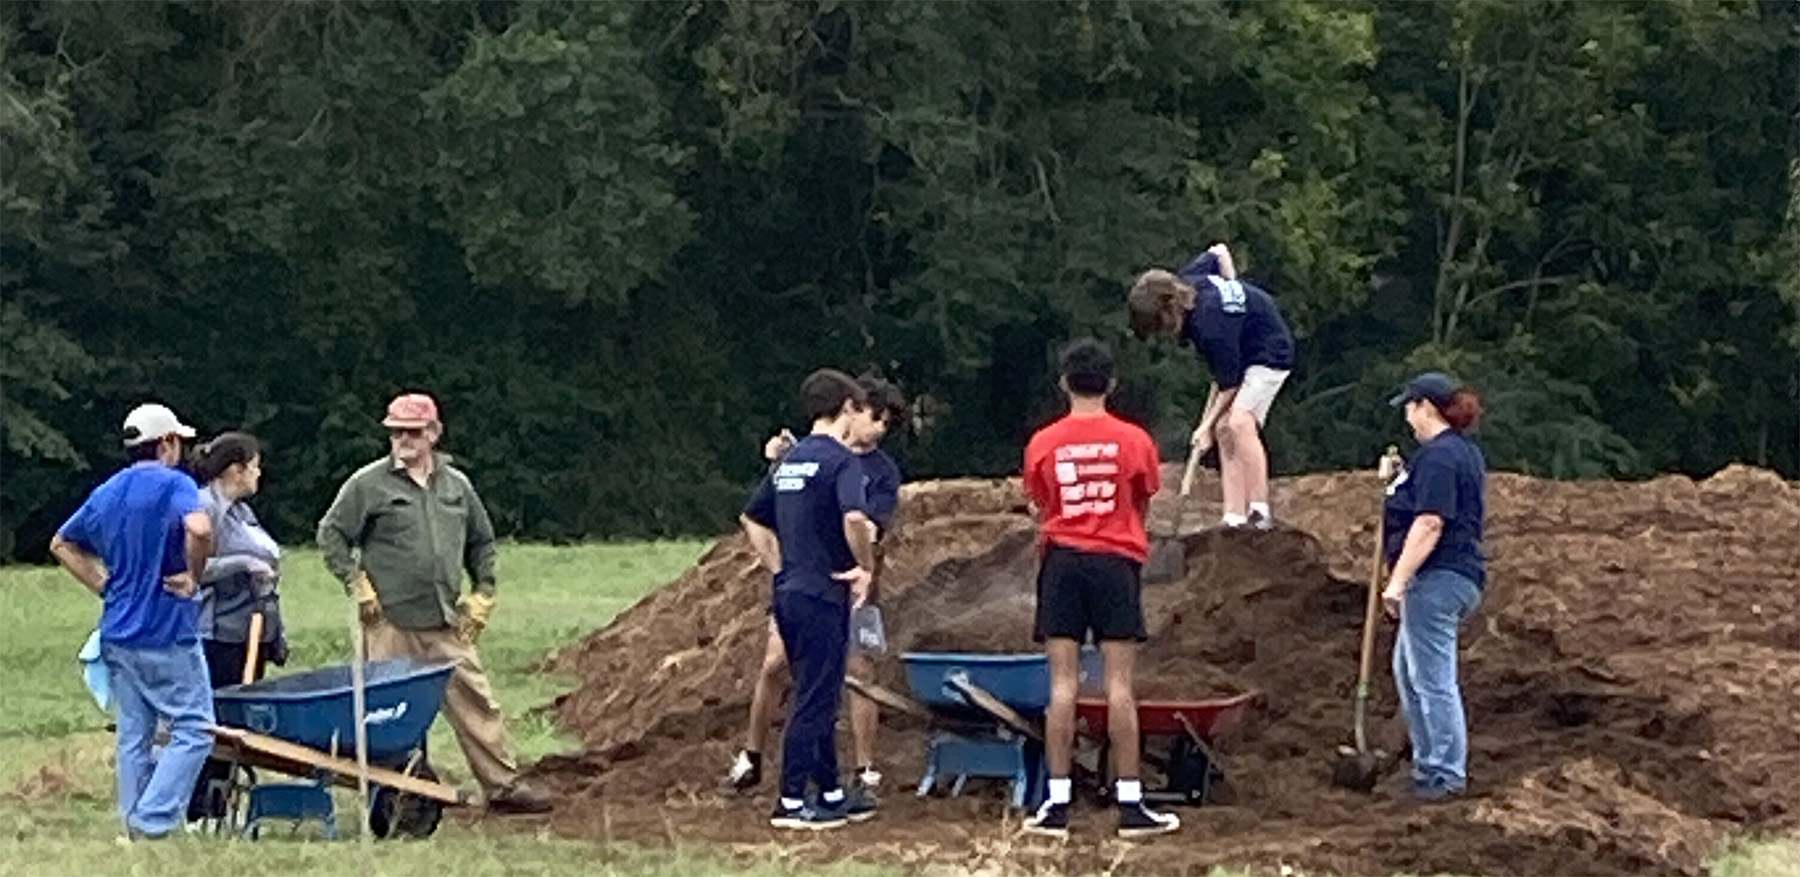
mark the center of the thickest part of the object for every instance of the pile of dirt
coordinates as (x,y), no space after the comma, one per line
(1633,683)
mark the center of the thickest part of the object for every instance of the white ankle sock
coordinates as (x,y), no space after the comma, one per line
(1059,790)
(1129,791)
(835,796)
(1231,520)
(1261,508)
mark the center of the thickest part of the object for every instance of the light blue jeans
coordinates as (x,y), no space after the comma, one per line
(148,684)
(1436,605)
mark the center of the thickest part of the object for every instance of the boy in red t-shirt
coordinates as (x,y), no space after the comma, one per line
(1090,476)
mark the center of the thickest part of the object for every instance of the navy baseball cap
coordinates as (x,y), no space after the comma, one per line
(1433,387)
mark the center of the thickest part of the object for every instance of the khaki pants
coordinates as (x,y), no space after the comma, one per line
(468,701)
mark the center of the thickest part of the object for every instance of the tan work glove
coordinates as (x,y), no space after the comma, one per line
(363,591)
(472,613)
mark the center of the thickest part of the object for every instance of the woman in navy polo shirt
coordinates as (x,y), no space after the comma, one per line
(1434,513)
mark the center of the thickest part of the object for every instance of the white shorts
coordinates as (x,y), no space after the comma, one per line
(1258,390)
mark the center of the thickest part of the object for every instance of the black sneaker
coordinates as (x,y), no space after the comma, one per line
(746,771)
(1050,820)
(1261,521)
(808,817)
(859,805)
(1136,820)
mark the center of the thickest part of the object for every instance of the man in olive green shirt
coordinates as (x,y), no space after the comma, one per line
(400,534)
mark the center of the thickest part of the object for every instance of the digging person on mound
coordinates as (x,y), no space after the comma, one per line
(399,536)
(809,523)
(1090,476)
(886,408)
(1434,511)
(1238,329)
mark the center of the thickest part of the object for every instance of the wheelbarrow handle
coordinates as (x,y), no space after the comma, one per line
(982,699)
(1200,743)
(887,698)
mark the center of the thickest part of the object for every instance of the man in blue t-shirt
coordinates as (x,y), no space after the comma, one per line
(136,543)
(1238,328)
(809,523)
(885,410)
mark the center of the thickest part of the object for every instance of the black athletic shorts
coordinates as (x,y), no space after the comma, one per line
(1078,591)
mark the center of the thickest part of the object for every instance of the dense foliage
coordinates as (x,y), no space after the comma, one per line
(612,237)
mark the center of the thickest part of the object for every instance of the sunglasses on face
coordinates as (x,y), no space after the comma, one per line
(411,432)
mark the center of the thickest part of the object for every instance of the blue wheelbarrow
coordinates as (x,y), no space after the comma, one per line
(985,711)
(304,725)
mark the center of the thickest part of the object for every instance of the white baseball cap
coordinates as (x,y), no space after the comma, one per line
(152,423)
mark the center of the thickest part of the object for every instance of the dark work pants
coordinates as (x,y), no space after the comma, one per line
(816,633)
(225,664)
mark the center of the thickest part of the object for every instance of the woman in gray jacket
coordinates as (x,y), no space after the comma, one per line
(240,582)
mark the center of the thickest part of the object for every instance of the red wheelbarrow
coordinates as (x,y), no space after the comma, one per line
(1176,737)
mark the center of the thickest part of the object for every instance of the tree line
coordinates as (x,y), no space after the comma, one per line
(611,237)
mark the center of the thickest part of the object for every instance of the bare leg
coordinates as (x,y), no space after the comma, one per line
(864,718)
(769,683)
(1253,457)
(1121,706)
(1231,468)
(1059,722)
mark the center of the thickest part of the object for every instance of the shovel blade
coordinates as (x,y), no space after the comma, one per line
(1167,562)
(1358,771)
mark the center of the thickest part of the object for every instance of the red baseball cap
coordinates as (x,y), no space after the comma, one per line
(411,411)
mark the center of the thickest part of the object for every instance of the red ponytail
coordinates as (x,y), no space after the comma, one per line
(1464,410)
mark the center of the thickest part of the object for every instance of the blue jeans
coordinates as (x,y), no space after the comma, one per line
(168,683)
(816,633)
(1436,605)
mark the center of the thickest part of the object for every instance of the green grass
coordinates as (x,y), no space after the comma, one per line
(1768,857)
(56,795)
(57,814)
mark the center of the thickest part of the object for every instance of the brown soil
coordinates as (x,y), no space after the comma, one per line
(1633,684)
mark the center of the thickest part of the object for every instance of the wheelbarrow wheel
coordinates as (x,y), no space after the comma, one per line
(393,813)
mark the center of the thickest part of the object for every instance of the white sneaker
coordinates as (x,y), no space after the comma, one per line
(1050,820)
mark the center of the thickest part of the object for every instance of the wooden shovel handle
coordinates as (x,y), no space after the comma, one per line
(1385,469)
(253,647)
(1193,464)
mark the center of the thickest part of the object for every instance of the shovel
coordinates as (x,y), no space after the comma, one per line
(359,708)
(1359,767)
(1168,556)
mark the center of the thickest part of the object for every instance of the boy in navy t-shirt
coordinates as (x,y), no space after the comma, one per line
(1238,329)
(809,522)
(137,543)
(886,408)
